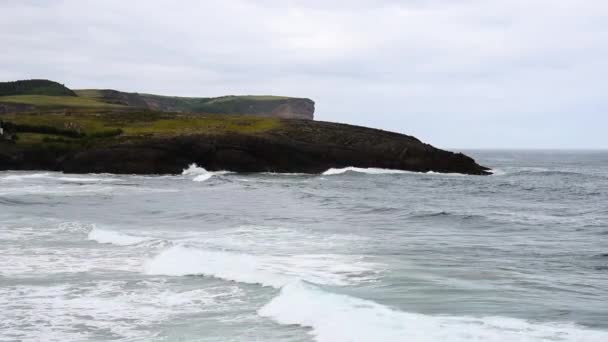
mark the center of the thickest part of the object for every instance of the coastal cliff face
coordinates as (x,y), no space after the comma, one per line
(295,109)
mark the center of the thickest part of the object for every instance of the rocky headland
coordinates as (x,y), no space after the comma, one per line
(132,134)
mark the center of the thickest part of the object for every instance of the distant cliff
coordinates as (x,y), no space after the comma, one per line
(272,106)
(28,95)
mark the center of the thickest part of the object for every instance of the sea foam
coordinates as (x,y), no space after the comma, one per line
(370,170)
(115,238)
(337,317)
(201,174)
(266,270)
(21,177)
(378,171)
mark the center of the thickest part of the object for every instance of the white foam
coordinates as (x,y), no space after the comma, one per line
(378,171)
(336,318)
(85,179)
(22,177)
(202,178)
(285,174)
(26,257)
(193,169)
(445,174)
(51,313)
(371,170)
(497,172)
(200,173)
(265,270)
(55,176)
(260,239)
(115,238)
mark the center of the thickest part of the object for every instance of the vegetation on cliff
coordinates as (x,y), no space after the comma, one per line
(28,95)
(278,106)
(38,129)
(34,87)
(56,102)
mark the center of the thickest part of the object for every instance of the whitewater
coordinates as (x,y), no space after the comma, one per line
(353,254)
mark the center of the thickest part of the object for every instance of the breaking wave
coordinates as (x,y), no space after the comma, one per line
(370,170)
(378,171)
(200,174)
(115,238)
(336,317)
(265,270)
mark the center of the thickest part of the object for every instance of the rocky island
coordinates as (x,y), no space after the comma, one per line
(47,126)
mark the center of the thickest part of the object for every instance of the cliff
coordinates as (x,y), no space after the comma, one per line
(271,106)
(28,95)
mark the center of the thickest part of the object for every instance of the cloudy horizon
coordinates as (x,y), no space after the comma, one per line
(456,74)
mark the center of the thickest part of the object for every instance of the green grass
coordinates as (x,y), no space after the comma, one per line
(208,125)
(34,87)
(57,101)
(248,104)
(89,93)
(135,124)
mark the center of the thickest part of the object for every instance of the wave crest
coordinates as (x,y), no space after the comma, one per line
(370,170)
(115,238)
(200,173)
(336,318)
(266,270)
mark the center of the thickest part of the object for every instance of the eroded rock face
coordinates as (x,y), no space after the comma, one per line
(295,109)
(297,146)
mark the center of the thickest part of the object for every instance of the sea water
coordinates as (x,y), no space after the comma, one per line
(349,255)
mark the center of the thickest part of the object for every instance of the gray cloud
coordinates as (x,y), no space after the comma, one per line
(464,73)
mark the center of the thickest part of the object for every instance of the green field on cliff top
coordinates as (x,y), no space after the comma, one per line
(44,101)
(36,128)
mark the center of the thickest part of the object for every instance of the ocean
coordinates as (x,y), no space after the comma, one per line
(349,255)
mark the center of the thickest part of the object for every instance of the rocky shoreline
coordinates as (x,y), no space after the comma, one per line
(302,146)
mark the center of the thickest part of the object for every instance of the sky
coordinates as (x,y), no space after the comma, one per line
(454,73)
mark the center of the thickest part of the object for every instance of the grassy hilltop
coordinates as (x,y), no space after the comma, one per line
(34,87)
(21,96)
(42,113)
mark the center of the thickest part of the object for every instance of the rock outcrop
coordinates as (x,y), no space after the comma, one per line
(295,146)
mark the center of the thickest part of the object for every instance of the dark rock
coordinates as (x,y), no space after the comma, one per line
(297,146)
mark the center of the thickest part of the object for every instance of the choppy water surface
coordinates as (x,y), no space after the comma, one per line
(352,255)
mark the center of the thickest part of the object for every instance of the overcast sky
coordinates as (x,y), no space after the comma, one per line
(454,73)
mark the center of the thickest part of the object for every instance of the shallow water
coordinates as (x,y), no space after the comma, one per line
(351,255)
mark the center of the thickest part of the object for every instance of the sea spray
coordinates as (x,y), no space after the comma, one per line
(201,174)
